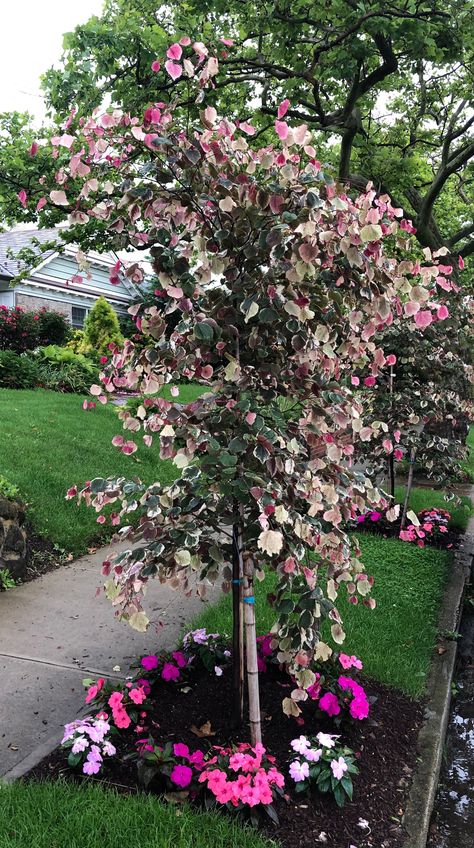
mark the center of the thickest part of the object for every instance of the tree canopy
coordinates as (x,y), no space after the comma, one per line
(386,88)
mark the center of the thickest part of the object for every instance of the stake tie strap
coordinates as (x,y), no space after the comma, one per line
(237,581)
(249,600)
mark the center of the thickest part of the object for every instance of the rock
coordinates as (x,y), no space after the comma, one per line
(13,549)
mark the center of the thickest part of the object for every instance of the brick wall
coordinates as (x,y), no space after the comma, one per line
(33,303)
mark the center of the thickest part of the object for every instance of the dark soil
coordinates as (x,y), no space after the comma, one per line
(385,745)
(42,555)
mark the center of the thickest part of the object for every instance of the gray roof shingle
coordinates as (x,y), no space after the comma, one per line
(16,240)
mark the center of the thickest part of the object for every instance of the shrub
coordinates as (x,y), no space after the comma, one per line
(76,341)
(19,330)
(17,371)
(62,370)
(6,580)
(53,327)
(8,490)
(101,328)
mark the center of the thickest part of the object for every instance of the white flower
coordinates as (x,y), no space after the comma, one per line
(299,771)
(108,749)
(300,745)
(313,755)
(326,739)
(218,670)
(338,767)
(363,823)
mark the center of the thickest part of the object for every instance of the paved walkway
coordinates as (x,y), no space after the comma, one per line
(53,632)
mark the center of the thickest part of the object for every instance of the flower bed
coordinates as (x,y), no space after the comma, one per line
(170,727)
(429,527)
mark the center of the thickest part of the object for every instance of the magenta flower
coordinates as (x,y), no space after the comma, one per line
(179,658)
(180,750)
(181,776)
(150,662)
(359,708)
(330,704)
(170,672)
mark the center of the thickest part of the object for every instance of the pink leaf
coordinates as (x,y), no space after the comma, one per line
(59,198)
(33,149)
(250,417)
(282,129)
(175,291)
(423,319)
(460,262)
(283,108)
(155,66)
(442,313)
(22,198)
(41,202)
(129,448)
(247,128)
(175,71)
(174,52)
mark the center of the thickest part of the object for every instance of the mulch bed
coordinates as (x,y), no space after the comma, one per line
(385,744)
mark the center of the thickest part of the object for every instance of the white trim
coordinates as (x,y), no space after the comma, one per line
(69,298)
(61,294)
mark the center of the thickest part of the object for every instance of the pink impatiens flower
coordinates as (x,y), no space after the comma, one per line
(137,695)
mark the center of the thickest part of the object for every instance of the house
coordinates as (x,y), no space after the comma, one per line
(56,282)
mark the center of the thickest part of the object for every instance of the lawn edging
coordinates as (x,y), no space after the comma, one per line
(431,738)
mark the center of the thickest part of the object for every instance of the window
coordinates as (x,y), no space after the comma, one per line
(78,316)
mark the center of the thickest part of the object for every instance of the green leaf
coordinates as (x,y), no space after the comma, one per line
(203,332)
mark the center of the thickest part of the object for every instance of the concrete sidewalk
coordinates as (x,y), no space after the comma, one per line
(53,632)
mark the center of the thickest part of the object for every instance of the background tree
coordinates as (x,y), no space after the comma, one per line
(386,88)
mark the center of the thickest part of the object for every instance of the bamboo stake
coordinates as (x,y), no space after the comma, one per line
(238,624)
(391,462)
(251,653)
(408,489)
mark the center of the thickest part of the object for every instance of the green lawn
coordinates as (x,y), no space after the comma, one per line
(62,815)
(48,443)
(396,639)
(468,465)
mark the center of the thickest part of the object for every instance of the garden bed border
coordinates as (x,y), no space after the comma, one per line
(431,738)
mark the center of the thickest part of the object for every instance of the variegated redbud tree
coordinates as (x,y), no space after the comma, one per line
(282,282)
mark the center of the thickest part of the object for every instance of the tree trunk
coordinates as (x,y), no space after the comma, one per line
(251,653)
(238,624)
(409,488)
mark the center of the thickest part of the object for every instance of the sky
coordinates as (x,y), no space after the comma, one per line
(32,32)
